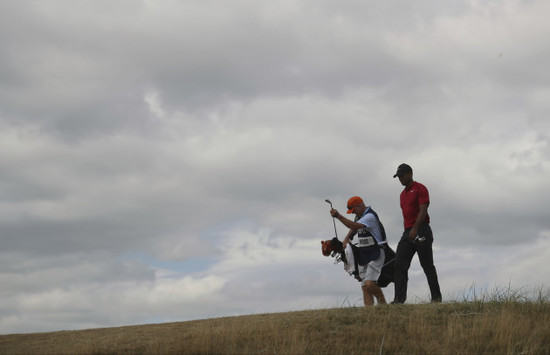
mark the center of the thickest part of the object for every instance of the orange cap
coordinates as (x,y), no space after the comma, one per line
(354,201)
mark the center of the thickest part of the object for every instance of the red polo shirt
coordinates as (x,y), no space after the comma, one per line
(411,199)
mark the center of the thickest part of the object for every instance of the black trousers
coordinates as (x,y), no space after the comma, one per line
(404,255)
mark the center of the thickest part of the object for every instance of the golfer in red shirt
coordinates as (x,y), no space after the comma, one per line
(417,237)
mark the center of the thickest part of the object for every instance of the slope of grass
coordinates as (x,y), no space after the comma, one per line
(502,327)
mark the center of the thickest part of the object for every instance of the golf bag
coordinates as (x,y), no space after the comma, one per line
(386,276)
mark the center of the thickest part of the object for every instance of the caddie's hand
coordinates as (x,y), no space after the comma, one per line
(334,213)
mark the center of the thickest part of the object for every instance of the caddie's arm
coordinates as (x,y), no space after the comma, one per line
(353,226)
(346,240)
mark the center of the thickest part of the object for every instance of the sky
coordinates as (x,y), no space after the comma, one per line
(165,161)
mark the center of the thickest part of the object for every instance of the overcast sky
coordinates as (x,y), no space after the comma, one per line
(169,160)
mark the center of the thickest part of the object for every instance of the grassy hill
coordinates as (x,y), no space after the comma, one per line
(449,328)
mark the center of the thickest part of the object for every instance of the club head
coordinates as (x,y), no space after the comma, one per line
(328,201)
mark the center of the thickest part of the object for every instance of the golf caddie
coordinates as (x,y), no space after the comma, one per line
(367,248)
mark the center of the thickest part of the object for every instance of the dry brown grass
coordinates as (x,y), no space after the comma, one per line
(450,328)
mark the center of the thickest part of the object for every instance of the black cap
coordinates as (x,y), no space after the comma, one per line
(403,169)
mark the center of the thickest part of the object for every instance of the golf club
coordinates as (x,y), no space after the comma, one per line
(334,223)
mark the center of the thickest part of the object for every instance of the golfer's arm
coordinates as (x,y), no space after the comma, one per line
(421,215)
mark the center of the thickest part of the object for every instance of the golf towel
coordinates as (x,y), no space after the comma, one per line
(350,265)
